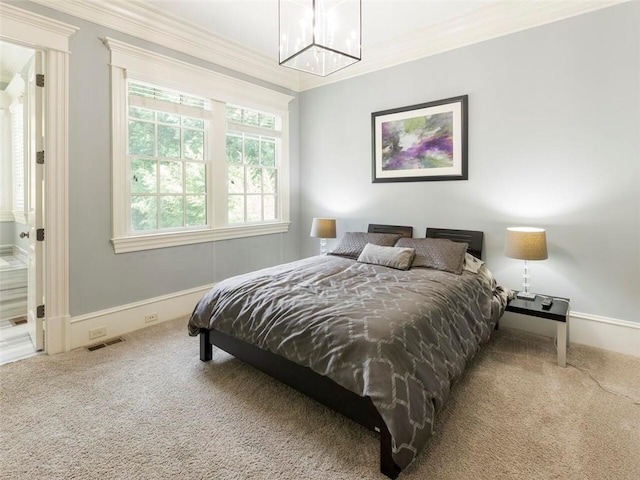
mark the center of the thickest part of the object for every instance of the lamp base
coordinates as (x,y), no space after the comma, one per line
(526,296)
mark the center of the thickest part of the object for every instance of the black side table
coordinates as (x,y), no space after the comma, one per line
(559,312)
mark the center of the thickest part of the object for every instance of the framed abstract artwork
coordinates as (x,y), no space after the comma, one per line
(420,143)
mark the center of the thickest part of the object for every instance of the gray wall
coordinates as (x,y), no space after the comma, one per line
(99,278)
(554,142)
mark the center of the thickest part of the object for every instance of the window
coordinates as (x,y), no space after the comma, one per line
(17,154)
(252,173)
(166,147)
(197,156)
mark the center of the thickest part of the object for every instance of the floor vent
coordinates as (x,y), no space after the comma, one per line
(98,346)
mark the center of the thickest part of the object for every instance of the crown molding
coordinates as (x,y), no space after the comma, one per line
(494,20)
(151,25)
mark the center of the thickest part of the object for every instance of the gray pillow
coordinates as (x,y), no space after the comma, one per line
(394,257)
(352,243)
(437,253)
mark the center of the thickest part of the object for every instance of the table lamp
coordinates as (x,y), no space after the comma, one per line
(526,243)
(323,228)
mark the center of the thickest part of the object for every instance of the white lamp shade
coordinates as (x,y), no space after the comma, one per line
(323,228)
(526,243)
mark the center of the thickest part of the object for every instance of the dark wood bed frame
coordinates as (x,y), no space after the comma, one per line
(316,386)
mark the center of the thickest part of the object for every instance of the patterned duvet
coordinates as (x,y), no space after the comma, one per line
(399,337)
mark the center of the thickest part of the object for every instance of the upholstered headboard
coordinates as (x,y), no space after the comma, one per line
(473,238)
(399,230)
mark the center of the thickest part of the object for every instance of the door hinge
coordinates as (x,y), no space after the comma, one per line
(40,157)
(40,79)
(40,234)
(40,311)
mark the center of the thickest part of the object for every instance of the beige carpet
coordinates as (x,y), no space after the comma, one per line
(148,408)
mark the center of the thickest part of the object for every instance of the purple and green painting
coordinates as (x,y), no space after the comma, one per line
(417,143)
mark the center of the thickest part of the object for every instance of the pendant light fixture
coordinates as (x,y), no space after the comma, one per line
(320,36)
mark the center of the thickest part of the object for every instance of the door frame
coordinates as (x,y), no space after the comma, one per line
(52,38)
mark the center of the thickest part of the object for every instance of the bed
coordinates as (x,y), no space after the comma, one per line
(380,345)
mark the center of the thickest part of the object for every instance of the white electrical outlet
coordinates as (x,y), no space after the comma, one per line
(97,333)
(150,317)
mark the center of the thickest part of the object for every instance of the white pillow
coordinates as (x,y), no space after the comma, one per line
(394,257)
(471,263)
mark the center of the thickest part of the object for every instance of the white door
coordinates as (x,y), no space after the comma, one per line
(35,131)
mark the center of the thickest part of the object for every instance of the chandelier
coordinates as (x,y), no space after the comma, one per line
(320,36)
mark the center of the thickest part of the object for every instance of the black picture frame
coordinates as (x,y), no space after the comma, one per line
(419,143)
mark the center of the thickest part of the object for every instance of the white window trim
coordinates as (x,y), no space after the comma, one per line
(143,65)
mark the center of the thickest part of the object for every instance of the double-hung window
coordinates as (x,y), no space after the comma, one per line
(167,133)
(197,156)
(253,150)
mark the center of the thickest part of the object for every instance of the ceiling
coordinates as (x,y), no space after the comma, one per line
(387,25)
(242,35)
(254,23)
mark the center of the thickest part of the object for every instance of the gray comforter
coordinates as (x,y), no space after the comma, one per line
(399,337)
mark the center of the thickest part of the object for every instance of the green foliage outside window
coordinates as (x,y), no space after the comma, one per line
(251,167)
(251,175)
(243,116)
(142,138)
(168,173)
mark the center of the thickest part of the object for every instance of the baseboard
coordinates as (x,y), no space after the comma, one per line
(127,318)
(601,332)
(608,333)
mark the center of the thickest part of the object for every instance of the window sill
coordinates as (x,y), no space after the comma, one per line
(174,239)
(6,216)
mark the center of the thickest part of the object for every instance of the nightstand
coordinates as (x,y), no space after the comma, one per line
(559,312)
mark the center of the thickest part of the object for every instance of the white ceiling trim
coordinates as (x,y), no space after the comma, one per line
(493,21)
(138,21)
